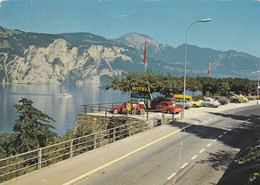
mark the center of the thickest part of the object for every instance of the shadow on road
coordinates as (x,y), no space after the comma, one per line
(219,160)
(242,136)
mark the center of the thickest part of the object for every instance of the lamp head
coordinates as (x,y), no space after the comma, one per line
(205,20)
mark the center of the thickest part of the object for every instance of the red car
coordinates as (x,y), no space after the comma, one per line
(122,108)
(169,107)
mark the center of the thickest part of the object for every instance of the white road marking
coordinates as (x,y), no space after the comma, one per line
(170,177)
(220,136)
(209,144)
(214,140)
(248,120)
(77,179)
(202,150)
(194,157)
(183,166)
(224,133)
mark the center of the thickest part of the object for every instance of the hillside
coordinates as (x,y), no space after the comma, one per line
(223,64)
(87,58)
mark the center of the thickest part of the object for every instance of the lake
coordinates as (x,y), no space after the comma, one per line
(62,109)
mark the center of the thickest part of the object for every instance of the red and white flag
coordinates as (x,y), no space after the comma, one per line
(209,66)
(145,52)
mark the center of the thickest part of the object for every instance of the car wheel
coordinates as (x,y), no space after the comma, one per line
(115,111)
(168,111)
(194,105)
(211,105)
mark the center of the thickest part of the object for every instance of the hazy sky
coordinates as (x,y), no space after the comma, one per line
(235,24)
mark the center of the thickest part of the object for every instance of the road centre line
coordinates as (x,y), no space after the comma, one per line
(81,177)
(214,140)
(220,136)
(224,133)
(183,166)
(202,150)
(209,144)
(194,157)
(171,176)
(247,121)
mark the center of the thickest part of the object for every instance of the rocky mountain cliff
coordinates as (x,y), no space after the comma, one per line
(87,58)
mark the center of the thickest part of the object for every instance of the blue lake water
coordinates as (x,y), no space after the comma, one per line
(64,110)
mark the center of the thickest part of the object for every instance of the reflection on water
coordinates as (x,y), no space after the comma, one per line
(63,109)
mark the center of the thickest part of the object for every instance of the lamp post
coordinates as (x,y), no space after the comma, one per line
(184,77)
(257,80)
(258,83)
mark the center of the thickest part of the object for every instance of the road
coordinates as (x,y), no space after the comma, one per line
(198,155)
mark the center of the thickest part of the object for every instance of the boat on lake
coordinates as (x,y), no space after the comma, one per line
(65,95)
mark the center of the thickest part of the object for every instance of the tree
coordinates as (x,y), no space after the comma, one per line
(158,82)
(193,85)
(30,130)
(167,84)
(6,144)
(223,86)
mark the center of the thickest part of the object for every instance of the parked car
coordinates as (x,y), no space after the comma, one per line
(244,99)
(210,102)
(122,108)
(188,100)
(179,102)
(169,107)
(222,100)
(180,96)
(250,97)
(238,98)
(197,103)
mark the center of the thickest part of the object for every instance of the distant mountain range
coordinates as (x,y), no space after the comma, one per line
(87,58)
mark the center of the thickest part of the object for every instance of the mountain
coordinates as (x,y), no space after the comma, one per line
(223,64)
(79,58)
(155,50)
(62,58)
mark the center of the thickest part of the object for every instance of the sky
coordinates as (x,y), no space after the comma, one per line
(235,24)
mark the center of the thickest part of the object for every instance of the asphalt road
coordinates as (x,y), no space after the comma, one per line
(198,155)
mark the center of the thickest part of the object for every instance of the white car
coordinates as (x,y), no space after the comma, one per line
(179,102)
(210,102)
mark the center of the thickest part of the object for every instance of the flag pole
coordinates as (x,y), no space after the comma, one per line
(209,65)
(145,48)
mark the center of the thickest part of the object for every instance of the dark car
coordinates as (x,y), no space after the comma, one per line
(221,100)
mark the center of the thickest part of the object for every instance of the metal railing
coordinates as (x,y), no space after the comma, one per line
(92,108)
(20,164)
(105,109)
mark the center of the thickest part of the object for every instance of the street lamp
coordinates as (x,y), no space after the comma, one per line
(257,80)
(184,80)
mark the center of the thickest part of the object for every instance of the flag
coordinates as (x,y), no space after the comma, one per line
(145,52)
(209,66)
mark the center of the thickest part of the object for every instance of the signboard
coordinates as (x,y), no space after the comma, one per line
(140,92)
(140,95)
(140,89)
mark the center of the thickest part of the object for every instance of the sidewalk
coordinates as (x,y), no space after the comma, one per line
(79,167)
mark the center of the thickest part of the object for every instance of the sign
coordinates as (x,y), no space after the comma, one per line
(143,95)
(140,89)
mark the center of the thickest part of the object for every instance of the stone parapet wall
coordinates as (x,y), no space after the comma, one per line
(97,123)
